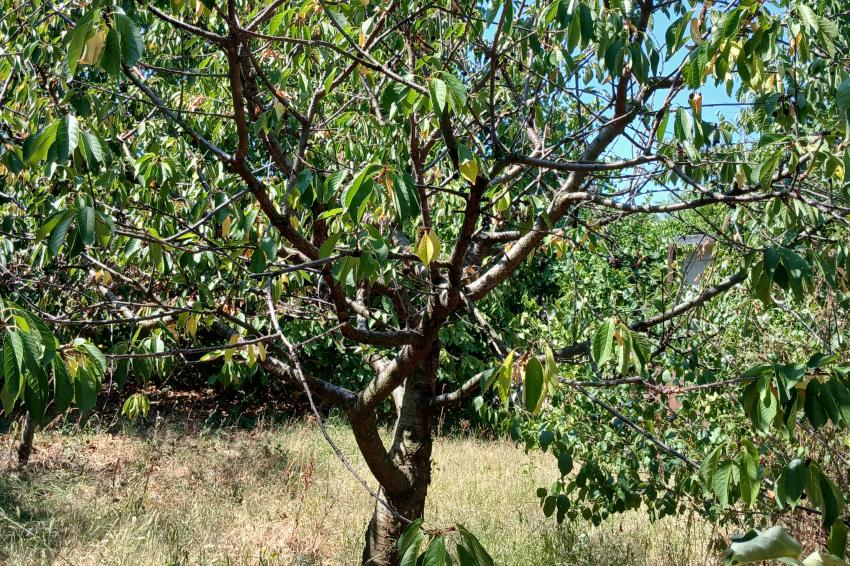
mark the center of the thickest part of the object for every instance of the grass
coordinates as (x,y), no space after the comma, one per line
(277,495)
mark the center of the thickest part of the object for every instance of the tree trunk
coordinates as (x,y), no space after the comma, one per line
(27,434)
(411,452)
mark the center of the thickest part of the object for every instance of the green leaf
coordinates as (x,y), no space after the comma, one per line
(481,555)
(549,505)
(86,224)
(91,148)
(110,61)
(37,145)
(808,16)
(565,462)
(357,193)
(77,39)
(602,344)
(85,389)
(748,472)
(13,359)
(550,370)
(842,98)
(258,261)
(456,90)
(837,542)
(436,553)
(768,168)
(586,23)
(720,483)
(327,248)
(36,393)
(96,357)
(683,127)
(832,500)
(794,479)
(67,137)
(709,465)
(533,384)
(13,353)
(625,355)
(505,376)
(438,91)
(63,386)
(465,556)
(812,406)
(819,558)
(409,543)
(405,196)
(773,544)
(132,45)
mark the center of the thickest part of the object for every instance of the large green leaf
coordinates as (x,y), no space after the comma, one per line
(437,88)
(837,542)
(436,554)
(773,544)
(57,236)
(410,542)
(356,195)
(505,376)
(63,386)
(794,479)
(405,196)
(720,482)
(533,384)
(86,224)
(111,58)
(38,145)
(602,345)
(37,393)
(13,359)
(77,39)
(67,137)
(481,555)
(85,388)
(456,91)
(132,45)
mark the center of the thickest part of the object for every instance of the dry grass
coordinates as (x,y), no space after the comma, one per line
(277,495)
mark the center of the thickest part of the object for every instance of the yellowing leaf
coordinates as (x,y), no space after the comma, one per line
(72,365)
(429,247)
(696,103)
(192,325)
(696,34)
(225,226)
(94,48)
(103,276)
(469,170)
(228,353)
(468,163)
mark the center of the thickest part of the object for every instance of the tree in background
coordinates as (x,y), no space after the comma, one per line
(345,193)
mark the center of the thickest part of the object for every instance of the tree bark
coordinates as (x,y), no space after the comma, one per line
(27,435)
(411,452)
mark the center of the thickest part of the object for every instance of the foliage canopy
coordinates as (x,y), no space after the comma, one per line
(405,206)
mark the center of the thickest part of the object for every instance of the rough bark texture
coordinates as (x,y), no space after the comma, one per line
(27,435)
(411,452)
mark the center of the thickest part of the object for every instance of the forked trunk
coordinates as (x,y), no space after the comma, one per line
(411,451)
(27,435)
